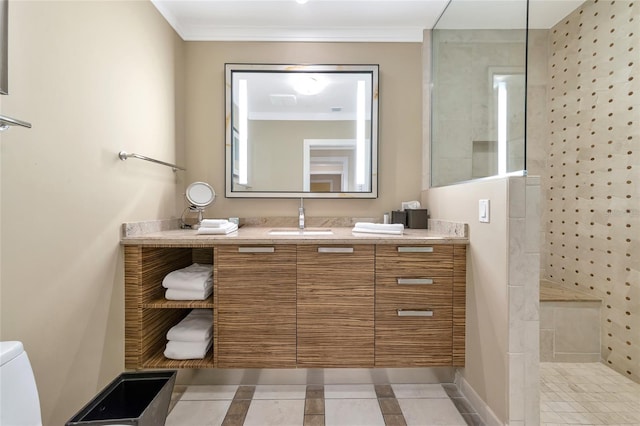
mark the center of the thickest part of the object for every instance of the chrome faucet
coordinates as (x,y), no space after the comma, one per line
(301,214)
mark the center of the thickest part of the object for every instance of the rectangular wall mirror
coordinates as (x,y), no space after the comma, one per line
(301,131)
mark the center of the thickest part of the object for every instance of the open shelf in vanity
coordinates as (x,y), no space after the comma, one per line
(148,315)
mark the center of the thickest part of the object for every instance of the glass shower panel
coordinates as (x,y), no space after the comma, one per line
(478,91)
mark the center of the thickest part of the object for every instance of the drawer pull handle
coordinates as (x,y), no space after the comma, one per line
(415,313)
(335,249)
(256,249)
(415,249)
(415,281)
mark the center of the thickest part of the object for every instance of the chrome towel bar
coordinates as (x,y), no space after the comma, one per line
(5,122)
(124,155)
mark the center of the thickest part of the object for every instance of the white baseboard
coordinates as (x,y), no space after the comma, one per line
(484,411)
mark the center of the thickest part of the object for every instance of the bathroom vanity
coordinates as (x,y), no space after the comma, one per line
(303,301)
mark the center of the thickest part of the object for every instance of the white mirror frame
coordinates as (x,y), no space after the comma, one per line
(372,167)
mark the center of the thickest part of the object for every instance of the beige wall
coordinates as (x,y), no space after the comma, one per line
(94,78)
(400,148)
(591,182)
(487,297)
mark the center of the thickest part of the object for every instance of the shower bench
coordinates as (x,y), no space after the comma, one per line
(569,324)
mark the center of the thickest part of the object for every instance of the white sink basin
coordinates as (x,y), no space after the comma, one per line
(295,231)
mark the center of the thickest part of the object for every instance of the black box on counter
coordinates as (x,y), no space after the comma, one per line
(398,216)
(417,218)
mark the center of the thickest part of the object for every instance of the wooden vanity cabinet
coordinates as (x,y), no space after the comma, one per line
(255,292)
(305,305)
(335,306)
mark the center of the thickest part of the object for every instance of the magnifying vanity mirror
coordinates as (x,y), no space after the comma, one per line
(301,131)
(200,195)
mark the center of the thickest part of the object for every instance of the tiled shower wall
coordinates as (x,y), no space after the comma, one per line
(591,184)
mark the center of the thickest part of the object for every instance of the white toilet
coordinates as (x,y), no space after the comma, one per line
(19,402)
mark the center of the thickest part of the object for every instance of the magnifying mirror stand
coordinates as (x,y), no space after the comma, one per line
(199,195)
(200,211)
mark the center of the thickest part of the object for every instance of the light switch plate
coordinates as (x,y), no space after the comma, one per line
(483,211)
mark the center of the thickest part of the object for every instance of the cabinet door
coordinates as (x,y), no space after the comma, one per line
(335,306)
(256,306)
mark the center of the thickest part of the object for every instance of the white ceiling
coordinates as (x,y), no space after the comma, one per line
(347,20)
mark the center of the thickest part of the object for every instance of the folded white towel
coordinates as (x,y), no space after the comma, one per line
(193,277)
(213,223)
(187,350)
(373,231)
(197,326)
(179,294)
(222,230)
(379,228)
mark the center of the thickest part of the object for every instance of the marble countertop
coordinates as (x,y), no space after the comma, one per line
(261,235)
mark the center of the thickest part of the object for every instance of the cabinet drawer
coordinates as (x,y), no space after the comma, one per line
(262,262)
(401,260)
(416,312)
(343,258)
(414,283)
(410,343)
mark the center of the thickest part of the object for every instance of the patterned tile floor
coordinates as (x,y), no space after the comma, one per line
(318,405)
(587,394)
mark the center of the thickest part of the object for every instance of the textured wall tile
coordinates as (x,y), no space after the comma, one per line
(516,387)
(577,330)
(532,227)
(517,198)
(546,345)
(591,184)
(546,316)
(516,319)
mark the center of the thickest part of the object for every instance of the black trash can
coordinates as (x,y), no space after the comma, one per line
(140,399)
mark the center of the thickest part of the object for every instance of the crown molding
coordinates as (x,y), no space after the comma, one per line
(290,34)
(307,34)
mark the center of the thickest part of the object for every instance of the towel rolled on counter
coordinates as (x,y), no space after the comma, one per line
(193,277)
(197,326)
(379,228)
